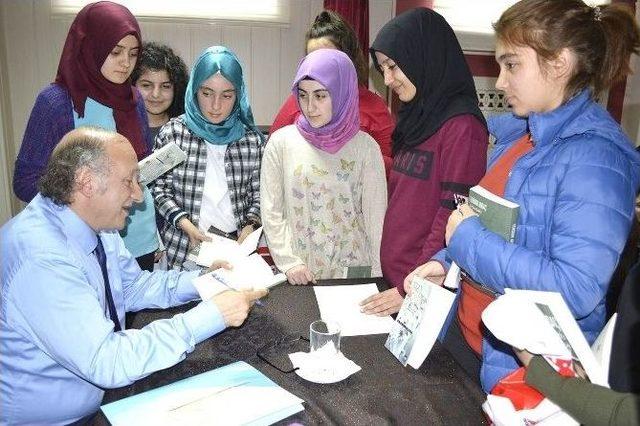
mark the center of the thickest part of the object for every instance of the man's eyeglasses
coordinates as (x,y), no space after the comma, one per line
(276,353)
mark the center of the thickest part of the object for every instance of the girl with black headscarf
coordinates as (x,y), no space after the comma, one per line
(439,143)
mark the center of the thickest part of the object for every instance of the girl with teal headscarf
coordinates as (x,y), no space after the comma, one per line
(218,186)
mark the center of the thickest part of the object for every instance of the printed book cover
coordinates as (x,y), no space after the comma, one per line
(419,322)
(496,213)
(160,162)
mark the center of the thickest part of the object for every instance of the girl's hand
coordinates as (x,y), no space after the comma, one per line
(195,235)
(432,271)
(300,275)
(457,216)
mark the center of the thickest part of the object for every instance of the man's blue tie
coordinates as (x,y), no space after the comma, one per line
(102,260)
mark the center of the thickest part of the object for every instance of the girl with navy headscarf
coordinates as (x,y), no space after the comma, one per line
(218,186)
(323,182)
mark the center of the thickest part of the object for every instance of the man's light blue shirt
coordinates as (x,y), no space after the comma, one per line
(58,348)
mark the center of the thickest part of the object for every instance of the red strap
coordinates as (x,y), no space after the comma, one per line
(496,178)
(473,301)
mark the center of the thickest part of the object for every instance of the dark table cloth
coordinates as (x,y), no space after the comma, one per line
(383,392)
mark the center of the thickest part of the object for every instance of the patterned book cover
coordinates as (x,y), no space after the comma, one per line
(419,322)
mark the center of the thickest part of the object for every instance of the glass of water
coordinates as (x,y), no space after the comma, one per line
(324,338)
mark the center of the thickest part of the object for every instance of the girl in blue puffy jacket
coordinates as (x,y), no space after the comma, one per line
(563,159)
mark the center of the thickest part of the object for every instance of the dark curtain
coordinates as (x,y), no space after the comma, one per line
(356,12)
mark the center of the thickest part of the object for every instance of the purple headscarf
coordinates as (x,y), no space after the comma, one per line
(335,71)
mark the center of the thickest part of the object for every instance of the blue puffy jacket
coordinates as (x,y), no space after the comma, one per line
(576,190)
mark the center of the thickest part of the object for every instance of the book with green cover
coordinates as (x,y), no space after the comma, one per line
(496,213)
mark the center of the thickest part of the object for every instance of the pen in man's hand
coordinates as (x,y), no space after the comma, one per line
(224,283)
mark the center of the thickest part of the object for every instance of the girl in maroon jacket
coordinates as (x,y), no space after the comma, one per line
(439,143)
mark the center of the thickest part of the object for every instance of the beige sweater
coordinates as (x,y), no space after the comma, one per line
(323,210)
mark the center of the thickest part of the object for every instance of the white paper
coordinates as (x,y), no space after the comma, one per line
(247,273)
(452,280)
(541,322)
(220,248)
(341,303)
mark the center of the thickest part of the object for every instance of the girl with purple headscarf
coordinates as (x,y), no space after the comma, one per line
(323,187)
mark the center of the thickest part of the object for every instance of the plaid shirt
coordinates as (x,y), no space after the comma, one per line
(178,193)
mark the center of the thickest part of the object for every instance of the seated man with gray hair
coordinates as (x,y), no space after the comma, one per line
(67,281)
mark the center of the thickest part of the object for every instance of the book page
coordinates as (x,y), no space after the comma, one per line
(452,279)
(602,346)
(341,303)
(219,248)
(518,322)
(247,273)
(250,243)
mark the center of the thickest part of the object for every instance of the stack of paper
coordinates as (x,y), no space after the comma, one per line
(231,395)
(341,303)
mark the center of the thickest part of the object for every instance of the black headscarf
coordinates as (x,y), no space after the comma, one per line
(427,51)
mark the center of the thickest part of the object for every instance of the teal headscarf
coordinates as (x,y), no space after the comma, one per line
(212,60)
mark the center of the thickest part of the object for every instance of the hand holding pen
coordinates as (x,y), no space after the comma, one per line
(244,297)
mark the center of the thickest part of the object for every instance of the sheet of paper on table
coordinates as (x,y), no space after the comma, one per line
(231,395)
(341,303)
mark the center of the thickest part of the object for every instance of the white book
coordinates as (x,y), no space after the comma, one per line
(250,272)
(541,322)
(160,162)
(220,248)
(602,346)
(419,322)
(452,279)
